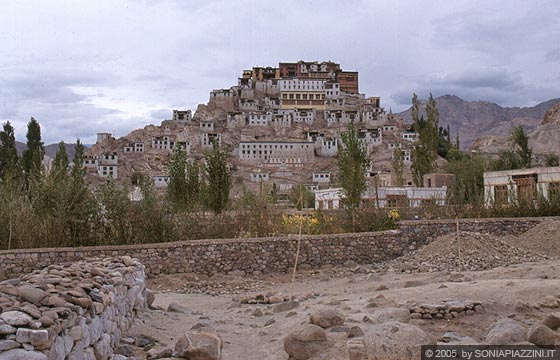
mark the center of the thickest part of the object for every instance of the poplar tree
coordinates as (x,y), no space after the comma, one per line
(352,165)
(60,163)
(520,141)
(398,166)
(193,185)
(33,155)
(424,153)
(177,187)
(218,179)
(8,151)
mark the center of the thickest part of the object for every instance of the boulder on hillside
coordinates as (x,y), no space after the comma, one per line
(506,332)
(305,341)
(391,314)
(203,344)
(326,318)
(552,321)
(541,335)
(391,340)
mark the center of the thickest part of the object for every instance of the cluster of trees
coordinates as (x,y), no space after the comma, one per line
(55,207)
(52,207)
(46,208)
(192,189)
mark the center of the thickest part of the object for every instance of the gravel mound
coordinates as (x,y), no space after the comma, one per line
(544,238)
(477,252)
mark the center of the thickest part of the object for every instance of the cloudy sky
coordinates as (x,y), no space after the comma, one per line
(81,67)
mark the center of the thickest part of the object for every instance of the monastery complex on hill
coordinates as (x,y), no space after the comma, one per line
(282,126)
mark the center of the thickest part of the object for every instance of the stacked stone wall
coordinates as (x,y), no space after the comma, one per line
(75,311)
(272,254)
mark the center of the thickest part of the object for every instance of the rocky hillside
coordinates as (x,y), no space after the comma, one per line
(473,119)
(543,139)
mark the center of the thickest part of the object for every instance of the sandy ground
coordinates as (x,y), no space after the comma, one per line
(515,291)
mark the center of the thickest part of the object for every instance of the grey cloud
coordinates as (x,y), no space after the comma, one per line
(169,54)
(553,55)
(496,85)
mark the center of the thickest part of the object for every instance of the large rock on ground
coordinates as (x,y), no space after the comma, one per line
(305,341)
(552,321)
(391,314)
(21,354)
(32,294)
(285,306)
(506,332)
(326,318)
(391,340)
(16,318)
(204,344)
(541,335)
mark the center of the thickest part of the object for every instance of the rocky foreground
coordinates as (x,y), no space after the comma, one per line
(506,293)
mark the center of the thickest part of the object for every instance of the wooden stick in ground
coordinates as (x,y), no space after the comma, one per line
(296,262)
(459,247)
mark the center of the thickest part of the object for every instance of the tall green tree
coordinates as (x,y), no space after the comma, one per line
(520,141)
(552,160)
(353,162)
(61,162)
(78,168)
(193,184)
(8,151)
(177,188)
(468,186)
(425,149)
(302,197)
(33,155)
(218,179)
(398,166)
(83,207)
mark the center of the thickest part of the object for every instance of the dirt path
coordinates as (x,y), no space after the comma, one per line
(516,291)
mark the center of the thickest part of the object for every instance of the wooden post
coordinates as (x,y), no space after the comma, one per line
(459,247)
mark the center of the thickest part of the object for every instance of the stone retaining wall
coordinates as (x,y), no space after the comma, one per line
(76,311)
(273,254)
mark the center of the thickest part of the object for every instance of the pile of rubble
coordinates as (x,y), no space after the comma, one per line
(75,311)
(448,310)
(469,251)
(201,284)
(268,298)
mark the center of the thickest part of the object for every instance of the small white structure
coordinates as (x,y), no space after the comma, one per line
(328,146)
(321,177)
(109,159)
(258,119)
(257,176)
(163,142)
(509,186)
(409,136)
(136,194)
(91,162)
(330,199)
(341,117)
(276,151)
(304,116)
(108,171)
(332,90)
(161,180)
(182,115)
(102,137)
(137,147)
(298,85)
(206,126)
(207,139)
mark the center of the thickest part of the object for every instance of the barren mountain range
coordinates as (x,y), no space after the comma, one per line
(473,119)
